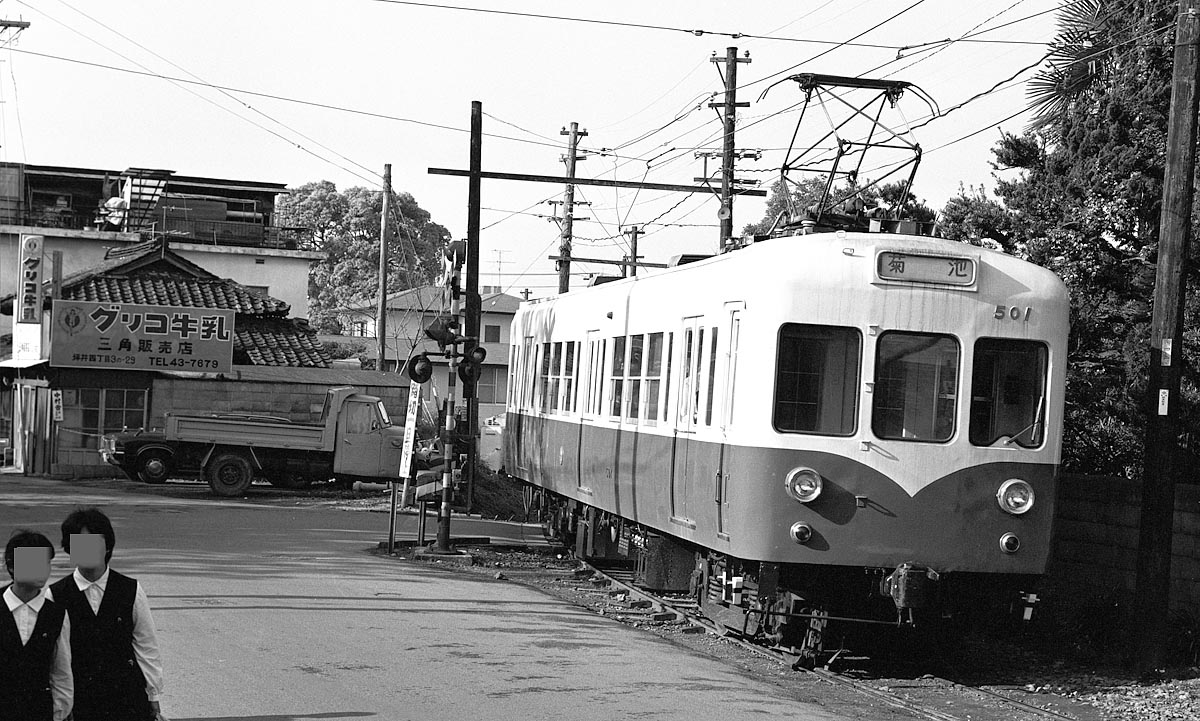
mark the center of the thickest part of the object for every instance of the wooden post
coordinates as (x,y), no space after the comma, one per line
(564,248)
(381,312)
(1161,462)
(474,301)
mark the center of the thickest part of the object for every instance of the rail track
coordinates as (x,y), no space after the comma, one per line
(927,696)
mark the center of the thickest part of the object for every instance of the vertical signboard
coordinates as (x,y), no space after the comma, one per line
(27,306)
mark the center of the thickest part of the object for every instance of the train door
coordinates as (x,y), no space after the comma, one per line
(592,382)
(722,482)
(687,418)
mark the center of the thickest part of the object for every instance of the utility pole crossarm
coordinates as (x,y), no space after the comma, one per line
(490,175)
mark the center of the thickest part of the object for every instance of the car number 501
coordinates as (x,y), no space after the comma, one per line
(1012,313)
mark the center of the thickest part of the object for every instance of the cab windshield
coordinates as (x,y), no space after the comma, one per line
(916,387)
(1008,392)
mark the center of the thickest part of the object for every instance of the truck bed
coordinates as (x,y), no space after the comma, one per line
(259,431)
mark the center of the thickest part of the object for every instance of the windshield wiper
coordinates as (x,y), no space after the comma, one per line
(1037,421)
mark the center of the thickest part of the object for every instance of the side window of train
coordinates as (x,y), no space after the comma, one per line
(634,376)
(916,386)
(530,366)
(816,379)
(545,380)
(712,377)
(652,381)
(666,406)
(514,365)
(1008,392)
(617,377)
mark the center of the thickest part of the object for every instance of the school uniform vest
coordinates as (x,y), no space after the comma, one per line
(109,685)
(25,670)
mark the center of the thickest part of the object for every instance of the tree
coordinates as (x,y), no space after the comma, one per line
(345,227)
(807,193)
(1086,204)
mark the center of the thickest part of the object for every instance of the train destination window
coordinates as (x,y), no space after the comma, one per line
(1008,392)
(816,381)
(916,386)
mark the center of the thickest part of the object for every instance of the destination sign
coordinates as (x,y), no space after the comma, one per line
(944,269)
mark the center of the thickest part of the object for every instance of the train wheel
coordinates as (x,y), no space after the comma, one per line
(229,474)
(154,466)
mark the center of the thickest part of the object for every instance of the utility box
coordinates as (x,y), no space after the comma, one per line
(664,565)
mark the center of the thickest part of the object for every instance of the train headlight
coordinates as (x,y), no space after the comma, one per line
(803,484)
(1015,496)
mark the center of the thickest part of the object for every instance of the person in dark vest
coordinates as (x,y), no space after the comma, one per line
(114,647)
(35,636)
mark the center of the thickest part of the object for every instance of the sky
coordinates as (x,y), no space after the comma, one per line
(296,91)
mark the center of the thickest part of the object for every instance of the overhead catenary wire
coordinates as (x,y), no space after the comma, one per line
(374,179)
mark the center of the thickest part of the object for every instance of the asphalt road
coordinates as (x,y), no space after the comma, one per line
(273,611)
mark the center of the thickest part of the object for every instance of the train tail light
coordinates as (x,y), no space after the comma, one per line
(803,484)
(1009,543)
(801,532)
(1015,496)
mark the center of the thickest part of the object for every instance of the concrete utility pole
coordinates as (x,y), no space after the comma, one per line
(730,106)
(1161,463)
(381,311)
(564,248)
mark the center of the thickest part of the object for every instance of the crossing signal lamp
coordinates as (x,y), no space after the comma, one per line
(419,368)
(469,367)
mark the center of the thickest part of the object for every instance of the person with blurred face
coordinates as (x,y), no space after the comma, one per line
(35,636)
(115,656)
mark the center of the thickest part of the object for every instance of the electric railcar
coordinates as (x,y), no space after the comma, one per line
(839,426)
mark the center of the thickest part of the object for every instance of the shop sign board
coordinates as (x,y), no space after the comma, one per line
(125,336)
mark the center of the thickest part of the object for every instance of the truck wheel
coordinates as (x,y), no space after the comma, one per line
(154,466)
(229,474)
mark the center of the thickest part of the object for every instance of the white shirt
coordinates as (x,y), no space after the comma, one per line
(62,683)
(145,639)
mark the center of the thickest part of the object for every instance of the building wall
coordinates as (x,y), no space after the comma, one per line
(1096,537)
(80,250)
(284,273)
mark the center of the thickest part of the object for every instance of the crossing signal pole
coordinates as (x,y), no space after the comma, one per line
(1161,464)
(564,248)
(730,106)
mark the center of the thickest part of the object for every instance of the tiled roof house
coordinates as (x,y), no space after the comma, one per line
(149,273)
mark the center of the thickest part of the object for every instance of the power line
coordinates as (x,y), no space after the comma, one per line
(667,28)
(270,96)
(201,97)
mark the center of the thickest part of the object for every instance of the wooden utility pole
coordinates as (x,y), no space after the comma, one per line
(564,248)
(730,106)
(633,232)
(381,311)
(474,301)
(1161,463)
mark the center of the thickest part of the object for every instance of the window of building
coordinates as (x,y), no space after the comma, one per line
(916,386)
(491,334)
(358,328)
(491,387)
(89,413)
(816,380)
(1008,392)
